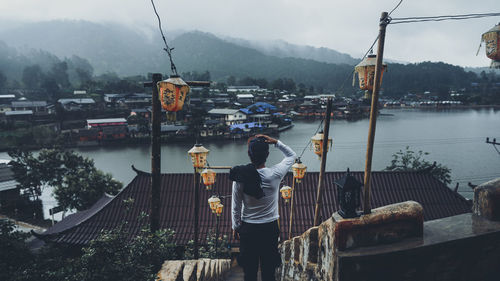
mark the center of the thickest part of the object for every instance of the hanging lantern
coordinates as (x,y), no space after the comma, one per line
(198,156)
(173,92)
(218,209)
(366,73)
(208,176)
(317,143)
(299,170)
(213,201)
(492,41)
(286,193)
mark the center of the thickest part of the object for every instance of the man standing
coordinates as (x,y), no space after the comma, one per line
(254,207)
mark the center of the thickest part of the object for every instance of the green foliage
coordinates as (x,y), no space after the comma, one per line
(409,160)
(27,172)
(112,256)
(13,253)
(77,182)
(209,250)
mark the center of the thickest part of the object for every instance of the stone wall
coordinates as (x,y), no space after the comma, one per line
(194,270)
(393,243)
(312,256)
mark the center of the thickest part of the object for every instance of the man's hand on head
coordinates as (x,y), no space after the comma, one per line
(268,138)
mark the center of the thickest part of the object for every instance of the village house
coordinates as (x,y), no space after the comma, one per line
(7,99)
(9,191)
(38,107)
(104,129)
(228,116)
(245,99)
(244,89)
(19,115)
(77,104)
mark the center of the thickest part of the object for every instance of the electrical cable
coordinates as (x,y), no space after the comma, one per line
(441,18)
(397,6)
(167,48)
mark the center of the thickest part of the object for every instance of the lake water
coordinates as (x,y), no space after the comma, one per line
(455,138)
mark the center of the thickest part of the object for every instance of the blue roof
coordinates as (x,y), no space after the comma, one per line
(245,126)
(260,107)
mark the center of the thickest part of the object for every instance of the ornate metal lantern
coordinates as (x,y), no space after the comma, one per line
(198,156)
(317,143)
(208,176)
(286,193)
(366,72)
(213,201)
(299,170)
(348,192)
(492,41)
(218,209)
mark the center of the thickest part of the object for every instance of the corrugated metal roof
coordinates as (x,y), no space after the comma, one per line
(177,210)
(29,104)
(106,120)
(225,111)
(19,112)
(7,181)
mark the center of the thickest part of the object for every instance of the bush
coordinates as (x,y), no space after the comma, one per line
(409,160)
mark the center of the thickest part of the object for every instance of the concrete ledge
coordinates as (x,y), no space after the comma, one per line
(464,247)
(194,270)
(487,200)
(387,224)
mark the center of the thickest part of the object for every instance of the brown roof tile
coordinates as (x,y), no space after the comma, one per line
(177,209)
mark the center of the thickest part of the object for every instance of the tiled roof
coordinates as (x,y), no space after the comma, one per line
(177,210)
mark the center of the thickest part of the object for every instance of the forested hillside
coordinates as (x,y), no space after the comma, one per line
(36,55)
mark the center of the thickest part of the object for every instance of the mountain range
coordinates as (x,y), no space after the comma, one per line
(117,48)
(122,50)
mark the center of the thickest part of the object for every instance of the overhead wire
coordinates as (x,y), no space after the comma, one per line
(441,18)
(348,77)
(167,48)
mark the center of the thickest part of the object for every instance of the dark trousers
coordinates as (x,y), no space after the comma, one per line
(259,244)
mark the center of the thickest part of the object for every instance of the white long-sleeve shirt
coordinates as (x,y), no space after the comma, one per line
(249,209)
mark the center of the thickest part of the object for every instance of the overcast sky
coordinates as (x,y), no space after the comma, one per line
(348,26)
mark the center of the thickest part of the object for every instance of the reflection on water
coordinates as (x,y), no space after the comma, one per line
(455,138)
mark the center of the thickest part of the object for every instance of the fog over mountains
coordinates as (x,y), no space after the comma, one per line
(118,49)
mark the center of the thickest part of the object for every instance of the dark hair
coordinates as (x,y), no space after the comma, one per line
(258,150)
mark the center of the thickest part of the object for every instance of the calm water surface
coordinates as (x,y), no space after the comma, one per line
(455,138)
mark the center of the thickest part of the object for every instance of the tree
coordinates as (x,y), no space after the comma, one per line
(3,80)
(14,251)
(409,160)
(32,76)
(77,182)
(26,172)
(59,72)
(231,81)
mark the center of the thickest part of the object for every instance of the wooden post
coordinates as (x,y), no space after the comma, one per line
(291,210)
(373,114)
(196,213)
(155,155)
(326,131)
(216,236)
